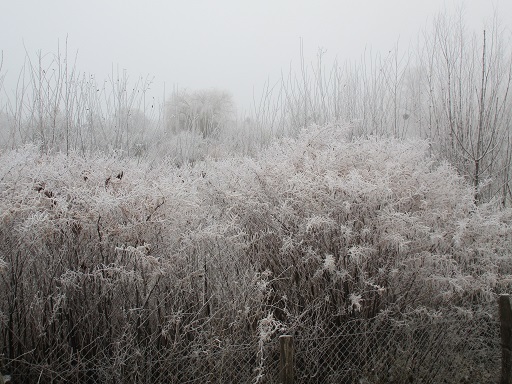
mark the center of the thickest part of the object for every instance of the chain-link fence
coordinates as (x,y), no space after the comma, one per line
(455,348)
(442,350)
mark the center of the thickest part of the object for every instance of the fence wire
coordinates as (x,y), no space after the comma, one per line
(445,349)
(414,351)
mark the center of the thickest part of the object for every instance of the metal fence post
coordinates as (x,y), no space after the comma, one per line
(286,359)
(506,339)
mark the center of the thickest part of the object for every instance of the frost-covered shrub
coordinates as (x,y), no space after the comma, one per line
(358,228)
(109,262)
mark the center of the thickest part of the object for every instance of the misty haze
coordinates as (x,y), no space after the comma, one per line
(256,192)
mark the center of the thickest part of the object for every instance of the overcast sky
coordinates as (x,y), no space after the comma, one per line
(229,44)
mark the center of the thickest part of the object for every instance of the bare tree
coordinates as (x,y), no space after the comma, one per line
(467,82)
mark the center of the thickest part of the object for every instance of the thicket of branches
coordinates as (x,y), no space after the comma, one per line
(59,108)
(452,88)
(107,262)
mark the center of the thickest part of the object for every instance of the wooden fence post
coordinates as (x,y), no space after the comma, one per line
(506,339)
(286,359)
(2,381)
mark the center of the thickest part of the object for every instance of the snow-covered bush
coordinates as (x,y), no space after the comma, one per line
(362,227)
(109,262)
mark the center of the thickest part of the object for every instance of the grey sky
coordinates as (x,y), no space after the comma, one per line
(229,44)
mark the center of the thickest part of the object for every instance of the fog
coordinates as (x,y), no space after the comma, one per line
(226,44)
(364,206)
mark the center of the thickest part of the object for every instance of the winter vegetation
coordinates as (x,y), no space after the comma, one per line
(101,255)
(132,228)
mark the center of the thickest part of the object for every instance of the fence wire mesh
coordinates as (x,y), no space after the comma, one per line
(414,351)
(417,349)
